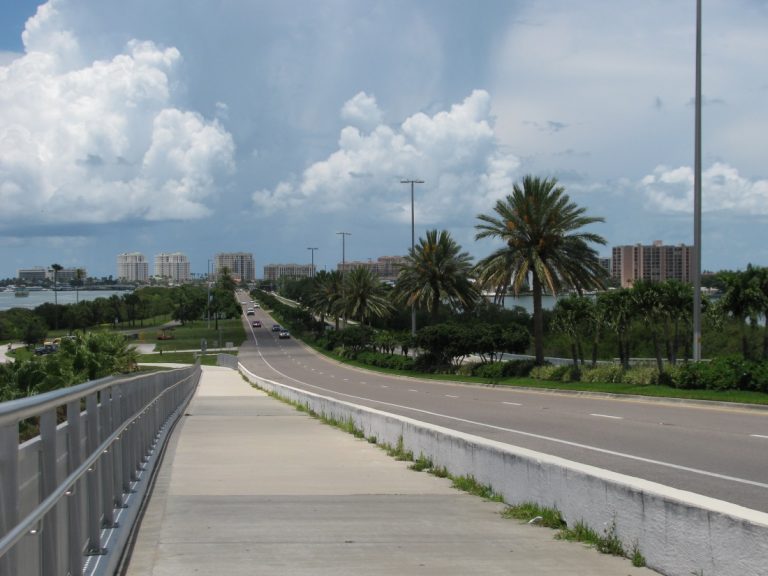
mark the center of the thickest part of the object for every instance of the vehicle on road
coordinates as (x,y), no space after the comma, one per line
(250,312)
(283,334)
(276,327)
(46,349)
(256,323)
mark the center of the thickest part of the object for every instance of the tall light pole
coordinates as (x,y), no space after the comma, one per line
(697,198)
(343,265)
(208,281)
(413,246)
(312,270)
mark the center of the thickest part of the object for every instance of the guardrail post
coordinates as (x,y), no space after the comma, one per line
(75,499)
(49,537)
(107,493)
(92,478)
(9,491)
(117,448)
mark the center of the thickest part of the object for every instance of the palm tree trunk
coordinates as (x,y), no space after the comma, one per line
(538,321)
(657,350)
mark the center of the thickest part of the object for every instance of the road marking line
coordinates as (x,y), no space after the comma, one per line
(450,396)
(384,386)
(758,436)
(412,390)
(608,416)
(512,403)
(523,432)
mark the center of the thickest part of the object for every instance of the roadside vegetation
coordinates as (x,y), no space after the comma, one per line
(92,344)
(616,340)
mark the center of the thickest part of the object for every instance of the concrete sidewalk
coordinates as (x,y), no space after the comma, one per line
(250,486)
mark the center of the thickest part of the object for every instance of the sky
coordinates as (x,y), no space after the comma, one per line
(269,126)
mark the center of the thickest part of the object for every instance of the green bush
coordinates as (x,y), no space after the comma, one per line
(392,361)
(611,373)
(492,371)
(518,368)
(641,376)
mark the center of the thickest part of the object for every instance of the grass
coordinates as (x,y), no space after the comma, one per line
(733,396)
(470,485)
(527,511)
(190,335)
(177,358)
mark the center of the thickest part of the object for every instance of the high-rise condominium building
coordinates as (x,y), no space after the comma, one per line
(273,272)
(239,264)
(174,266)
(386,267)
(132,267)
(654,263)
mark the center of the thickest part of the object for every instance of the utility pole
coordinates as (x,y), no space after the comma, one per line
(343,265)
(697,199)
(413,246)
(312,270)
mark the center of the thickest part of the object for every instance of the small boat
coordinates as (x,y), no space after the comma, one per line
(19,292)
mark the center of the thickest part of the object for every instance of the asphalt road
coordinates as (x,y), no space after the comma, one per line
(714,450)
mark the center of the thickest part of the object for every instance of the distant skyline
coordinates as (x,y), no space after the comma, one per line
(269,126)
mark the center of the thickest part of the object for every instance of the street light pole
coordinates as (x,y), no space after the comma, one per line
(312,270)
(343,266)
(208,282)
(697,199)
(413,246)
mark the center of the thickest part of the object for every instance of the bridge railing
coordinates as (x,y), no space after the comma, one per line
(70,496)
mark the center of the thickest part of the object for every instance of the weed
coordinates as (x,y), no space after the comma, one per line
(372,440)
(638,560)
(421,463)
(399,452)
(579,533)
(527,511)
(439,472)
(609,542)
(472,486)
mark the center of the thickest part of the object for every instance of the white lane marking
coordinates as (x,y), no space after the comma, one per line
(412,390)
(384,386)
(361,382)
(512,403)
(608,416)
(758,436)
(346,379)
(523,432)
(450,396)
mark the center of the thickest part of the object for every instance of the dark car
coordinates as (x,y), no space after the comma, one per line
(256,323)
(276,327)
(283,334)
(46,349)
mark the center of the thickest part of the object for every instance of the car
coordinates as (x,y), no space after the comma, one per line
(283,334)
(276,327)
(257,305)
(46,349)
(250,312)
(256,323)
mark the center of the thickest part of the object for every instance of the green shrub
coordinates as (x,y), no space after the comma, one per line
(518,368)
(612,373)
(493,371)
(641,376)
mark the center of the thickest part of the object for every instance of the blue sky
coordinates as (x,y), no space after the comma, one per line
(267,127)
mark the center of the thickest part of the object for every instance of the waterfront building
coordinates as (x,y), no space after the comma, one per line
(132,267)
(655,263)
(173,266)
(274,272)
(385,267)
(240,265)
(41,274)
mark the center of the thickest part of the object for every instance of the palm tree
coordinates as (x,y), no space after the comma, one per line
(570,317)
(56,268)
(540,228)
(648,303)
(677,303)
(744,301)
(616,307)
(79,275)
(365,295)
(325,299)
(436,271)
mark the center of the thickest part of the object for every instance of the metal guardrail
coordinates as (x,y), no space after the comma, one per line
(70,496)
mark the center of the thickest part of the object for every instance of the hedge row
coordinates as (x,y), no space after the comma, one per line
(727,373)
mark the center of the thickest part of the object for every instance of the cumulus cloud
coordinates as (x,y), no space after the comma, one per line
(101,142)
(722,189)
(362,111)
(455,151)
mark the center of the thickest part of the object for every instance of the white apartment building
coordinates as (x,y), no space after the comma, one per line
(655,263)
(386,267)
(240,265)
(39,274)
(173,265)
(132,267)
(273,272)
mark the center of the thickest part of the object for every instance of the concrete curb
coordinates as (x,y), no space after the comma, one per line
(678,532)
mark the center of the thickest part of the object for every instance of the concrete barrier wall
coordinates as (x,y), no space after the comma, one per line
(678,532)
